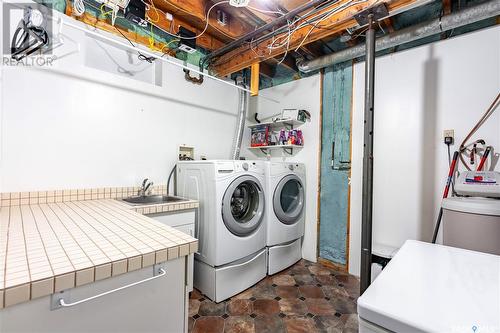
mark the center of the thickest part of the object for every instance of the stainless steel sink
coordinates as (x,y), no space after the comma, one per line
(152,199)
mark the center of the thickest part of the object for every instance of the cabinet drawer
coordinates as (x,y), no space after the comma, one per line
(175,219)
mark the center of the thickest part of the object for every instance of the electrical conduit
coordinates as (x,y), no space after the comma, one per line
(240,126)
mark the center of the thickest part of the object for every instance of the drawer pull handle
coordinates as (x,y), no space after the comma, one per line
(246,262)
(161,272)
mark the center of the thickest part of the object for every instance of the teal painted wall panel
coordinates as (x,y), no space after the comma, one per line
(335,170)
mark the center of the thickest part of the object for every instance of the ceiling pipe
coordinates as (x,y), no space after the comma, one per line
(415,32)
(248,37)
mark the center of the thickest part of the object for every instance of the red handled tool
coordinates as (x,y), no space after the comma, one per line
(484,158)
(453,166)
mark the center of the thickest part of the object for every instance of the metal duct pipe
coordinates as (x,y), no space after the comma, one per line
(240,126)
(418,31)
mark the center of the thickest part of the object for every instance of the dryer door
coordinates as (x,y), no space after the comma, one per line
(243,205)
(288,200)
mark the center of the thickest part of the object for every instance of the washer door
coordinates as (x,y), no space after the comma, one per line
(288,200)
(243,205)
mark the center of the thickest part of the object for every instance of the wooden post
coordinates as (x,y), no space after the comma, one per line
(254,79)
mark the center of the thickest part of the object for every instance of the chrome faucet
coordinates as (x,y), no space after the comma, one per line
(143,191)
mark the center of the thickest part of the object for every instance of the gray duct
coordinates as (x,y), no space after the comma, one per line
(418,31)
(240,126)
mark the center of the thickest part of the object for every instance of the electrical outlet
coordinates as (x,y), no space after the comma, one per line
(449,136)
(186,153)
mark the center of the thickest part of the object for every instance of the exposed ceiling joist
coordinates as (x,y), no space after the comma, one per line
(243,56)
(267,70)
(195,11)
(206,41)
(288,62)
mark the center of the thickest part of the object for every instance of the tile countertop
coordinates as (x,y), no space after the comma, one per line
(47,247)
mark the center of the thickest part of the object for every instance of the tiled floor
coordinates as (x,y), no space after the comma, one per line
(307,298)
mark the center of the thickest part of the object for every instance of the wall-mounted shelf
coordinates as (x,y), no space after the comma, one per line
(287,123)
(287,148)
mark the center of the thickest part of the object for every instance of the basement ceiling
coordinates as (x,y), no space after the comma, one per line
(325,28)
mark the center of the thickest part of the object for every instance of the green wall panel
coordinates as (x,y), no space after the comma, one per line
(335,162)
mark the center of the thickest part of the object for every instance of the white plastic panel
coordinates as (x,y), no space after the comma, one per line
(283,256)
(233,279)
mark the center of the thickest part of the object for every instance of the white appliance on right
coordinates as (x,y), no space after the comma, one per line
(285,213)
(433,288)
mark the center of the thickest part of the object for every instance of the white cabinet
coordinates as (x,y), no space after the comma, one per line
(183,221)
(157,305)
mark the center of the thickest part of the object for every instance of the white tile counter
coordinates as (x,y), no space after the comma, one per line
(46,247)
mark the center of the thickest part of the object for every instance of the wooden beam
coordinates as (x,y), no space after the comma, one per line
(194,12)
(243,56)
(205,41)
(446,7)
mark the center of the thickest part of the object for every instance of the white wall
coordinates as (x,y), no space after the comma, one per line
(419,93)
(74,126)
(301,94)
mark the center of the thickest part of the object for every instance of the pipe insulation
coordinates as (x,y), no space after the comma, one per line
(415,32)
(240,125)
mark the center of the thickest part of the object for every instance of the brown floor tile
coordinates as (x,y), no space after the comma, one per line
(269,324)
(195,294)
(264,292)
(351,324)
(347,279)
(268,280)
(245,294)
(319,270)
(239,307)
(190,324)
(209,325)
(311,291)
(209,308)
(287,291)
(316,299)
(344,305)
(304,279)
(334,291)
(284,280)
(300,325)
(327,280)
(266,307)
(239,324)
(293,307)
(194,307)
(330,323)
(319,306)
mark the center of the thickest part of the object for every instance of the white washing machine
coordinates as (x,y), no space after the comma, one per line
(285,216)
(230,225)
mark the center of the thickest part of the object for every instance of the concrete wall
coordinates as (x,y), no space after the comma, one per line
(302,94)
(418,94)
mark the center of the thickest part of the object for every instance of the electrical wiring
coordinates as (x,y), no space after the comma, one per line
(464,146)
(206,20)
(140,55)
(263,11)
(344,6)
(314,22)
(148,7)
